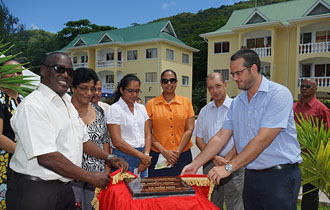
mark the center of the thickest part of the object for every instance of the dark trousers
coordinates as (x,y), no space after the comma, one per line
(272,190)
(310,201)
(25,194)
(184,159)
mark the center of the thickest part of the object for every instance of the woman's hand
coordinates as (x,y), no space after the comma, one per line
(145,159)
(170,156)
(142,167)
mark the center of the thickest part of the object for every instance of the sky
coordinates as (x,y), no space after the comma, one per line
(51,15)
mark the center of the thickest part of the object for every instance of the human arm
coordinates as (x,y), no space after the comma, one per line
(93,150)
(220,161)
(169,155)
(106,148)
(186,136)
(212,148)
(5,143)
(147,147)
(122,145)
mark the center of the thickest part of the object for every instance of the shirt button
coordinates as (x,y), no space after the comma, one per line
(170,118)
(172,134)
(172,142)
(171,126)
(170,110)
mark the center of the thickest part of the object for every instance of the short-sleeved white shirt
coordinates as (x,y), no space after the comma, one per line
(210,121)
(44,123)
(131,126)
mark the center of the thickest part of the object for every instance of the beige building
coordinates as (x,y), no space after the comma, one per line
(145,50)
(292,39)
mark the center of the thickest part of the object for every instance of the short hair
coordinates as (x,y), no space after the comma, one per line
(82,75)
(250,57)
(168,70)
(214,74)
(52,55)
(124,83)
(12,59)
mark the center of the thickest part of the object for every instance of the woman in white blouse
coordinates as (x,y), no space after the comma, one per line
(129,127)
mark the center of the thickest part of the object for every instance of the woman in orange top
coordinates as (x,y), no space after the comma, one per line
(172,118)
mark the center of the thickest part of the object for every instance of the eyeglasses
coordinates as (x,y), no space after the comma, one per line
(129,90)
(60,69)
(305,86)
(238,73)
(85,89)
(171,80)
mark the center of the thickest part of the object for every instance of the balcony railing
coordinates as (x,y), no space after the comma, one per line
(120,63)
(110,63)
(263,51)
(318,47)
(80,65)
(109,86)
(320,81)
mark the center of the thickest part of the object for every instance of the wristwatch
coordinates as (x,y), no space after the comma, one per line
(229,167)
(109,157)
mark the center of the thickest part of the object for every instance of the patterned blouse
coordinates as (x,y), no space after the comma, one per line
(99,134)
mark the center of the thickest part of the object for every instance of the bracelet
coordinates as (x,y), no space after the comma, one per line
(110,156)
(147,153)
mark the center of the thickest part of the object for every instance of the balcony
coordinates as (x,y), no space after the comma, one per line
(318,47)
(109,86)
(80,65)
(120,63)
(102,63)
(320,81)
(263,51)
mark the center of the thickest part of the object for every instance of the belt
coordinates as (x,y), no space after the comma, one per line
(36,179)
(275,168)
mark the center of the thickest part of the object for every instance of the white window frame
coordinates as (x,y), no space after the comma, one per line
(146,77)
(185,57)
(170,54)
(135,55)
(152,49)
(185,80)
(221,47)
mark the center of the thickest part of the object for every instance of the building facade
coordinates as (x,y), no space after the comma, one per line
(144,50)
(292,39)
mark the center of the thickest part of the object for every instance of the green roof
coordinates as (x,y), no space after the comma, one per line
(278,12)
(162,30)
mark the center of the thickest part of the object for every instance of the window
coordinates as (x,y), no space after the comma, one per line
(221,47)
(185,58)
(109,78)
(170,54)
(322,70)
(147,98)
(151,53)
(322,36)
(224,72)
(110,56)
(259,42)
(150,77)
(132,55)
(185,80)
(306,70)
(306,38)
(74,59)
(84,59)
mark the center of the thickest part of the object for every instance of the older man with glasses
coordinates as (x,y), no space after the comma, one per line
(309,106)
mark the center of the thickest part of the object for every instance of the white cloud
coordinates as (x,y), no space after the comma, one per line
(33,27)
(165,5)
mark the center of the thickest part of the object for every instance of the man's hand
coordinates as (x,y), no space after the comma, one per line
(145,159)
(142,167)
(217,173)
(189,169)
(219,161)
(119,163)
(170,156)
(100,180)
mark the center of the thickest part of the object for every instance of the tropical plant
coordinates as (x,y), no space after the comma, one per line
(20,84)
(313,137)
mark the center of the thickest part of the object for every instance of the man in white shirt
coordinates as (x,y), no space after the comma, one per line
(210,120)
(50,140)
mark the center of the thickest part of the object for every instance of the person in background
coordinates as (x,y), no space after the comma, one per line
(210,120)
(172,120)
(97,97)
(309,106)
(261,121)
(50,141)
(9,100)
(129,127)
(83,89)
(139,100)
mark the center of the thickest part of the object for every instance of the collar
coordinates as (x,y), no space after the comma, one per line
(177,99)
(122,103)
(310,103)
(263,87)
(226,103)
(50,94)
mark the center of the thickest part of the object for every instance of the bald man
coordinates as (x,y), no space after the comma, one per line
(309,106)
(50,140)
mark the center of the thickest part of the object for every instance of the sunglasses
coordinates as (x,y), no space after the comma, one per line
(60,69)
(171,80)
(305,86)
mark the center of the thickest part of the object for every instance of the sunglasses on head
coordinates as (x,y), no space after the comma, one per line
(171,80)
(305,86)
(60,69)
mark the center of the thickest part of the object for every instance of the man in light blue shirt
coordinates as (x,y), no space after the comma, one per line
(261,121)
(210,120)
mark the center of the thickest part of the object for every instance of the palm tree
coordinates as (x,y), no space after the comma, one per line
(313,137)
(14,83)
